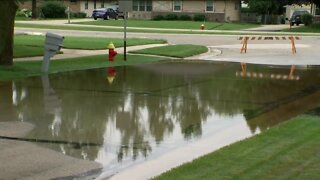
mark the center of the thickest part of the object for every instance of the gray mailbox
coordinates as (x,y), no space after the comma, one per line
(53,44)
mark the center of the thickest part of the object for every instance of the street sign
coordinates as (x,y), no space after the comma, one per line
(125,5)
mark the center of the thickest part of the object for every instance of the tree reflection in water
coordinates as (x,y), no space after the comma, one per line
(144,105)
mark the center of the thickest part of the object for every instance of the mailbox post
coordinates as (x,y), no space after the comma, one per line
(53,44)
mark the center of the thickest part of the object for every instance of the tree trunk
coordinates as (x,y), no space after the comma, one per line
(34,9)
(6,31)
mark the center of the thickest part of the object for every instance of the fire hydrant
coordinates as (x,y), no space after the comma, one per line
(202,26)
(112,52)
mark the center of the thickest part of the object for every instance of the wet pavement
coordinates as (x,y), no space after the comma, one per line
(138,121)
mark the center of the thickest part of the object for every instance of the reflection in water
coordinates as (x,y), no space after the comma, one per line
(52,105)
(111,74)
(149,110)
(260,75)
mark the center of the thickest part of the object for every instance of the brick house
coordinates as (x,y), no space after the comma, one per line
(215,10)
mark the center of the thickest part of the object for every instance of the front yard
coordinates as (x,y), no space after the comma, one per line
(194,25)
(315,28)
(29,46)
(289,151)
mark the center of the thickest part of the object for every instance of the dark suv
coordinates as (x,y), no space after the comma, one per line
(296,17)
(105,13)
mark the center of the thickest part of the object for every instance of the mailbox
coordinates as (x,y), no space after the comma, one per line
(53,44)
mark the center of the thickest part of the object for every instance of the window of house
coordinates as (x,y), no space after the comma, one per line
(86,4)
(135,5)
(102,4)
(142,5)
(177,5)
(237,5)
(209,5)
(149,5)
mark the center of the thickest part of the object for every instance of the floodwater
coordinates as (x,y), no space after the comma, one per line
(166,113)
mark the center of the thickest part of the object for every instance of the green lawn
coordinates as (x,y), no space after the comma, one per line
(173,24)
(179,51)
(28,46)
(22,18)
(289,151)
(33,68)
(114,29)
(315,28)
(27,51)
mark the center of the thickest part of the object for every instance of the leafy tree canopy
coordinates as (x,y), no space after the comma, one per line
(275,6)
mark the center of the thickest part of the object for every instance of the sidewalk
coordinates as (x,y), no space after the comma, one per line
(271,28)
(74,53)
(20,160)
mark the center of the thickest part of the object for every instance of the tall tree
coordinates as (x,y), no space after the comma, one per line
(34,9)
(6,31)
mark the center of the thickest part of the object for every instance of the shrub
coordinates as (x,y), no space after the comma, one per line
(199,17)
(171,17)
(185,17)
(24,13)
(53,9)
(78,15)
(307,19)
(158,18)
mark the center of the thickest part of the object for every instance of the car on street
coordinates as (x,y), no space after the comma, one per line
(105,13)
(296,17)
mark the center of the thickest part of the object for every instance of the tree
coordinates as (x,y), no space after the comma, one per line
(34,9)
(6,31)
(267,5)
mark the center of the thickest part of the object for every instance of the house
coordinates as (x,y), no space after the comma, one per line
(215,10)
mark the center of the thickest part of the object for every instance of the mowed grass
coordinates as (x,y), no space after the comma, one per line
(315,28)
(27,51)
(173,24)
(179,51)
(33,68)
(289,151)
(22,18)
(29,46)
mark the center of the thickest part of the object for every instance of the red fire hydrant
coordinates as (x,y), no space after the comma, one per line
(202,26)
(112,52)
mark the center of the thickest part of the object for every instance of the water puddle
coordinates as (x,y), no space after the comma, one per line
(145,119)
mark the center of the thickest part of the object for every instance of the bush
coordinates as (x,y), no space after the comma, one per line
(185,17)
(199,17)
(24,13)
(53,9)
(171,17)
(307,19)
(78,15)
(158,18)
